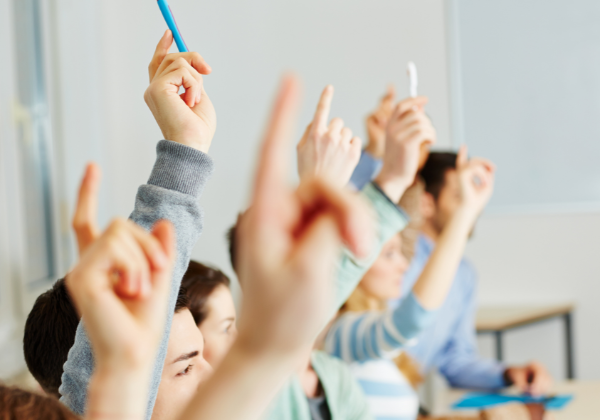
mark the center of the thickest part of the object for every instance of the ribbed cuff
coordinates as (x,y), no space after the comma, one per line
(181,168)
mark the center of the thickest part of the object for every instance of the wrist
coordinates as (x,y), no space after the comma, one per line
(393,186)
(374,149)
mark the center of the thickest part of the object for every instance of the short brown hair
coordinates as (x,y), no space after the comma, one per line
(19,404)
(435,169)
(199,282)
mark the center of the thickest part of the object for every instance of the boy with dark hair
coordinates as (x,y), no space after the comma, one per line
(50,332)
(450,343)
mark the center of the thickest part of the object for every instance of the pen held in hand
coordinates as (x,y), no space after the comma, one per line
(172,24)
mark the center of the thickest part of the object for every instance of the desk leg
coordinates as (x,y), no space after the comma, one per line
(569,345)
(499,355)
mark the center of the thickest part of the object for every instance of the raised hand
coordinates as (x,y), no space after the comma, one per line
(84,219)
(533,378)
(408,130)
(476,177)
(120,286)
(377,123)
(328,151)
(189,118)
(289,240)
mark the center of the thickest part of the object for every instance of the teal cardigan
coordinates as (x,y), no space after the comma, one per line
(344,396)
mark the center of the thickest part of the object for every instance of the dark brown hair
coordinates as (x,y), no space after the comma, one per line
(49,335)
(18,404)
(200,281)
(435,169)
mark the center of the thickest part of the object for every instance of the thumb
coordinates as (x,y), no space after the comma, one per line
(162,49)
(164,231)
(462,157)
(84,221)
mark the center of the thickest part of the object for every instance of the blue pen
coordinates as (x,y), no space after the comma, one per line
(168,15)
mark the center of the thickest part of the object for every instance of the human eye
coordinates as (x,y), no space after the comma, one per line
(185,371)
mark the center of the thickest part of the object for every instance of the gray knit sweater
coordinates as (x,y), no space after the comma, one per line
(172,193)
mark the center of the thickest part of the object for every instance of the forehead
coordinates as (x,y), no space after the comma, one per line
(220,302)
(185,336)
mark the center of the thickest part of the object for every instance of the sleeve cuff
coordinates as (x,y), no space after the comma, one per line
(372,189)
(181,168)
(368,167)
(411,318)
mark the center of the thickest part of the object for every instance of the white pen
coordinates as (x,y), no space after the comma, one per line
(412,79)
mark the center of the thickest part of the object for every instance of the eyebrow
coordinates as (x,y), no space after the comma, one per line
(187,356)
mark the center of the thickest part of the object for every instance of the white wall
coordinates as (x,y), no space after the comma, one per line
(538,259)
(359,47)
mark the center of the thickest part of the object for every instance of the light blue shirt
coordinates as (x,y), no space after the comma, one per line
(449,343)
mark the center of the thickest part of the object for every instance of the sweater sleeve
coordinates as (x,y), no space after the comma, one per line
(389,220)
(370,335)
(172,192)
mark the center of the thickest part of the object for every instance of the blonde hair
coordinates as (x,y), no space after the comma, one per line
(360,301)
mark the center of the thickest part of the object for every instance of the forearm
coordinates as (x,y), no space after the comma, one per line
(251,379)
(474,373)
(376,335)
(435,280)
(118,394)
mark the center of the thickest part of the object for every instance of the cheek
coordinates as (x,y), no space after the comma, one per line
(173,396)
(215,348)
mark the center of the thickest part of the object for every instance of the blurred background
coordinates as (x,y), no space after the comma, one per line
(517,81)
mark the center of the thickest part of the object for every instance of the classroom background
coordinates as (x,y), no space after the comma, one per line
(88,73)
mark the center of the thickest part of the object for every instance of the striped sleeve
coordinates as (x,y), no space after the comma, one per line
(371,335)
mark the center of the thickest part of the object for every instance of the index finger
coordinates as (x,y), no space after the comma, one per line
(162,49)
(84,220)
(323,108)
(272,160)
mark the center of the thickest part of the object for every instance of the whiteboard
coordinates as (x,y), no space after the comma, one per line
(525,92)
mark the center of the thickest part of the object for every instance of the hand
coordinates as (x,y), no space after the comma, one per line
(407,131)
(377,123)
(189,118)
(476,177)
(533,379)
(84,220)
(120,287)
(329,152)
(288,243)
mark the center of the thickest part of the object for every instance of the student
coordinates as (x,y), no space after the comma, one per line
(450,343)
(125,317)
(369,337)
(180,173)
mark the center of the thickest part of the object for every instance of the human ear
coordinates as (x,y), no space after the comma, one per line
(427,205)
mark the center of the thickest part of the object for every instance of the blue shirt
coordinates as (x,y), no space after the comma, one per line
(449,343)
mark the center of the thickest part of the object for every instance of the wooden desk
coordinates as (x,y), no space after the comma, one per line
(497,320)
(584,406)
